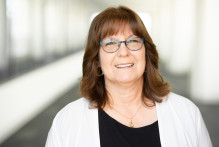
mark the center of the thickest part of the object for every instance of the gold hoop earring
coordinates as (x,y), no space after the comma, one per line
(99,72)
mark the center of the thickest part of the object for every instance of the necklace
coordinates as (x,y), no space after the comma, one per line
(131,124)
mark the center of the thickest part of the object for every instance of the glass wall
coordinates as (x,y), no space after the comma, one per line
(37,32)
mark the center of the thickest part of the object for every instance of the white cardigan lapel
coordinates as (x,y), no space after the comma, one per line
(89,136)
(170,127)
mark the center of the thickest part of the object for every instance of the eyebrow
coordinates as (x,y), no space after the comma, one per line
(112,38)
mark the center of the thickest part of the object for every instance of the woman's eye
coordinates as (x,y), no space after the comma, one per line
(132,41)
(110,43)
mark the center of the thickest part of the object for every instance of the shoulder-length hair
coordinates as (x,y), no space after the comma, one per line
(107,23)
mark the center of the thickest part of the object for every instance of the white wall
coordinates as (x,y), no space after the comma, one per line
(205,71)
(3,62)
(186,33)
(183,36)
(26,96)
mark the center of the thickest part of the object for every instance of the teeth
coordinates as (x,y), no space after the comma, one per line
(124,65)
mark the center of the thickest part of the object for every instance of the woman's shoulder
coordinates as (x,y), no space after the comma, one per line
(74,105)
(179,104)
(71,111)
(68,122)
(181,100)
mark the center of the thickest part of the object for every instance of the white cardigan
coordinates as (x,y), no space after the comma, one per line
(180,125)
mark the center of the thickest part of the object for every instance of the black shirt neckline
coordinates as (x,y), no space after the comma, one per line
(122,125)
(114,134)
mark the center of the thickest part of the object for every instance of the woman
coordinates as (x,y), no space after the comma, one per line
(126,101)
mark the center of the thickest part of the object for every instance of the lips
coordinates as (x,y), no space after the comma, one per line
(124,65)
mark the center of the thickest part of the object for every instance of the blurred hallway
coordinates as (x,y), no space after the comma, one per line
(41,49)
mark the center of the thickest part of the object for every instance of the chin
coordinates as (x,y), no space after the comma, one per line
(126,79)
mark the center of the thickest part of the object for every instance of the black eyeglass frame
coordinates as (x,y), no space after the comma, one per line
(119,44)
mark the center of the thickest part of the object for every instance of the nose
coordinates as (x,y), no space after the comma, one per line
(123,50)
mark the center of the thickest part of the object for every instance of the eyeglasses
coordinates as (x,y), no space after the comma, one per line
(111,46)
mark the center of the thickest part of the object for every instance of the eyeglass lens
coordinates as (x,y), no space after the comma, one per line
(133,44)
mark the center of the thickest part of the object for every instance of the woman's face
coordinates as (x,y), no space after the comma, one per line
(124,65)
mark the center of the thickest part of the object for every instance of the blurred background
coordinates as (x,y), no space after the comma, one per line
(41,50)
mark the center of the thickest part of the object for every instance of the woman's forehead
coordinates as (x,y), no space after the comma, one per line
(127,35)
(113,31)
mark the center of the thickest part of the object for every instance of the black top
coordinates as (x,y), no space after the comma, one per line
(115,134)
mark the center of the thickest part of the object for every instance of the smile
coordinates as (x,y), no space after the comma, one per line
(124,65)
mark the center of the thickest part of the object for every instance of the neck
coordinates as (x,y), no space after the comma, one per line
(125,95)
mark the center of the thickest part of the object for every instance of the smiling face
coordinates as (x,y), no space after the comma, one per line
(124,65)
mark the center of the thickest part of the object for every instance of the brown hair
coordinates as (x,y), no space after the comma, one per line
(110,22)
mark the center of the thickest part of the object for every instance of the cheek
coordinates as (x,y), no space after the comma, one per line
(142,58)
(142,61)
(104,61)
(101,59)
